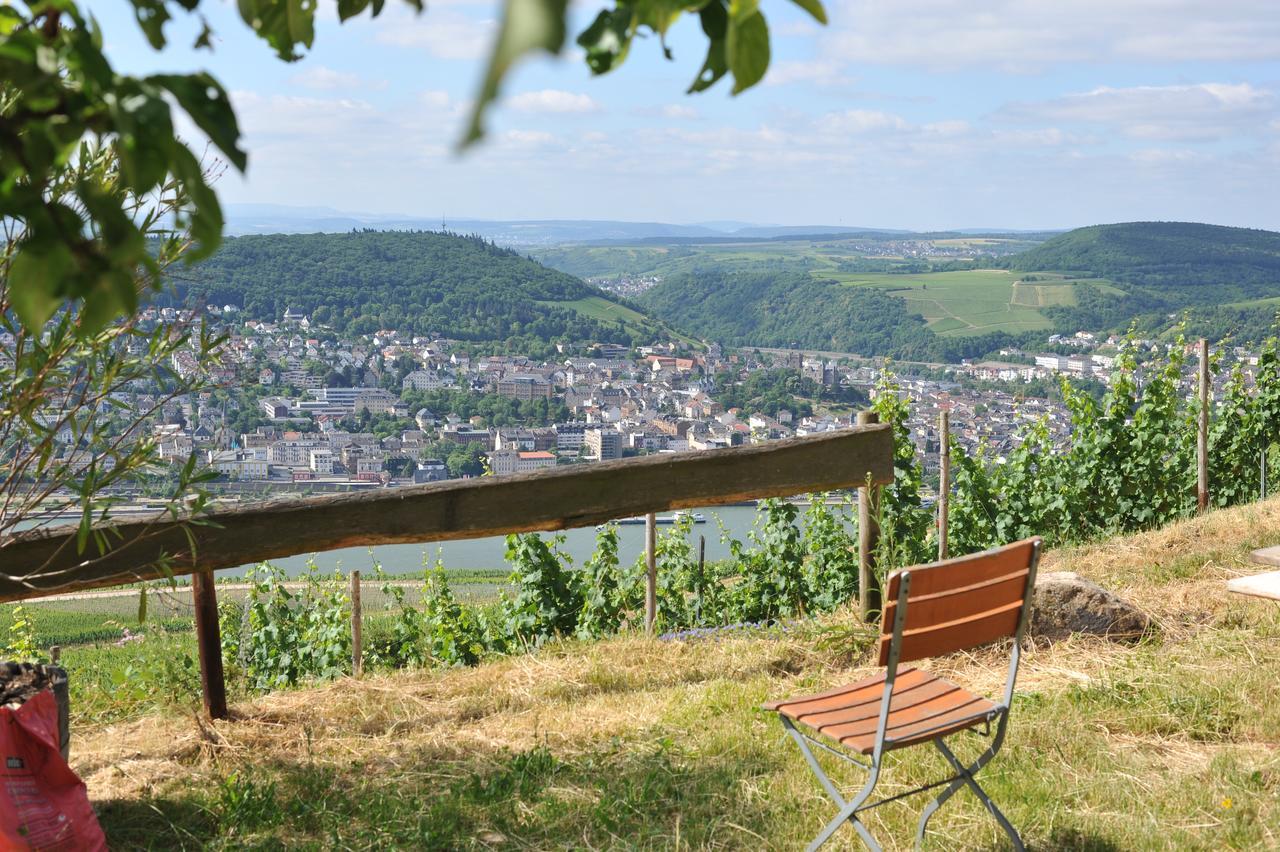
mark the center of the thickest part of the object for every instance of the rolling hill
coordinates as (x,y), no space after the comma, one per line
(424,282)
(1221,277)
(1100,278)
(1184,261)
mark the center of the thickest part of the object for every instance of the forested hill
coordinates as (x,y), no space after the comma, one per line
(1209,261)
(784,305)
(1227,280)
(424,282)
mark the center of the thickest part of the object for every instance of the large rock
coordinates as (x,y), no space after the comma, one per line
(1067,603)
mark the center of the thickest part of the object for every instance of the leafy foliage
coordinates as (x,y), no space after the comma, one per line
(280,638)
(602,607)
(83,240)
(549,593)
(61,99)
(79,394)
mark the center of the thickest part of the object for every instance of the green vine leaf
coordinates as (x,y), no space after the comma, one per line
(528,26)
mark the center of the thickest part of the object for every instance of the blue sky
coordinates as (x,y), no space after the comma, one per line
(915,114)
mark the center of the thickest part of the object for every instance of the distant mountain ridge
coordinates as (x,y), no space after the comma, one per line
(248,219)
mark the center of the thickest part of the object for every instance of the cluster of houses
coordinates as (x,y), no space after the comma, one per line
(659,398)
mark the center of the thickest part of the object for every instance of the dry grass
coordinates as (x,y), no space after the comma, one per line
(1174,743)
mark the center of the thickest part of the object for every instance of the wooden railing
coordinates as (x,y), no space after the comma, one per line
(40,563)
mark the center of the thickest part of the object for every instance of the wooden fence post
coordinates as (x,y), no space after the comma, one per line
(868,539)
(357,627)
(944,479)
(651,574)
(209,644)
(1264,472)
(1202,432)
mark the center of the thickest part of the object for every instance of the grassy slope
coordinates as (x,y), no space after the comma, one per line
(638,744)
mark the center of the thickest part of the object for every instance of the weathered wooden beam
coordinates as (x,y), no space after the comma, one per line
(37,563)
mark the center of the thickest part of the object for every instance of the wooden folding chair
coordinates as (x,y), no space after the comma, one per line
(931,610)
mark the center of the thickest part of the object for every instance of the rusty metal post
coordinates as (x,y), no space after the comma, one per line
(209,643)
(868,539)
(1202,433)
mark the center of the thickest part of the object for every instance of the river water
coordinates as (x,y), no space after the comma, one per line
(489,552)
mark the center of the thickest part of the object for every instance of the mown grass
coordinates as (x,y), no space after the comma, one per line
(634,743)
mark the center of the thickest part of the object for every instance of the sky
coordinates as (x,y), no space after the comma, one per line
(917,114)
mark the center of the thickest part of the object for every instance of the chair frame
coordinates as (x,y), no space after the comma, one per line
(964,775)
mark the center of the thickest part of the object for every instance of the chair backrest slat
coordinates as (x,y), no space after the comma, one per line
(960,603)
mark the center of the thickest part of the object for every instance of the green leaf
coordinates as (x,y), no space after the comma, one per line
(747,50)
(527,26)
(35,276)
(715,24)
(657,15)
(814,8)
(206,213)
(207,103)
(607,40)
(152,15)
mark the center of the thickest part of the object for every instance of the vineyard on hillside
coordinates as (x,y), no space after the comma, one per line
(1129,466)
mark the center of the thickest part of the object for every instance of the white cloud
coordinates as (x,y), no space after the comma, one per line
(1031,34)
(821,72)
(1200,112)
(443,33)
(323,79)
(862,121)
(552,101)
(680,111)
(526,138)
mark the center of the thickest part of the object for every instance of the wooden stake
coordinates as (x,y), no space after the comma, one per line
(651,575)
(702,562)
(944,479)
(868,539)
(1202,433)
(1264,473)
(209,643)
(357,627)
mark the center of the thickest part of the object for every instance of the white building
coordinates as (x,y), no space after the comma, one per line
(514,461)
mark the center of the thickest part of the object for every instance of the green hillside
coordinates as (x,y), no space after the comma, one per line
(786,306)
(423,282)
(1200,262)
(1221,277)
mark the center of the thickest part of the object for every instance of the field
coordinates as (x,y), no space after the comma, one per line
(977,301)
(597,308)
(955,303)
(1270,302)
(642,744)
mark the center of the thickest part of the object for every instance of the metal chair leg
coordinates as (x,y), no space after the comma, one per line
(967,773)
(933,807)
(848,810)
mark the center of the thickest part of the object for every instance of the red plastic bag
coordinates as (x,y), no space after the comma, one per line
(43,804)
